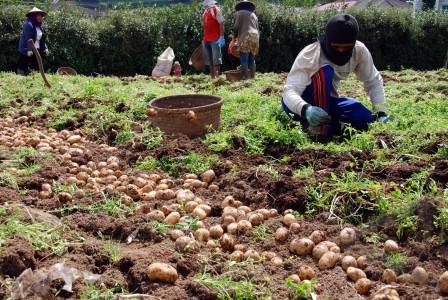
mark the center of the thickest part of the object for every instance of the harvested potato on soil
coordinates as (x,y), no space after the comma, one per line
(244,226)
(404,278)
(256,219)
(288,219)
(294,227)
(347,236)
(389,276)
(362,262)
(443,283)
(227,242)
(319,250)
(281,234)
(175,234)
(303,246)
(306,273)
(355,274)
(295,278)
(216,231)
(185,244)
(237,256)
(348,261)
(419,276)
(252,254)
(391,246)
(317,236)
(386,294)
(202,235)
(328,260)
(277,261)
(363,286)
(208,176)
(173,218)
(162,272)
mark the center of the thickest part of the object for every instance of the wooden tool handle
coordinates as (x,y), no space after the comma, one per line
(39,62)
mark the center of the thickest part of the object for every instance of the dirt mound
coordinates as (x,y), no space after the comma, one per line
(440,173)
(16,257)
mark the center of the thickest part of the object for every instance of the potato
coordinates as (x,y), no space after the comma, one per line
(244,226)
(252,254)
(46,187)
(328,260)
(389,276)
(288,219)
(273,212)
(319,251)
(268,255)
(202,234)
(228,201)
(281,234)
(277,261)
(256,219)
(232,228)
(185,243)
(211,244)
(190,206)
(265,213)
(199,213)
(306,273)
(363,286)
(294,227)
(213,188)
(347,236)
(162,272)
(227,242)
(208,176)
(216,231)
(245,209)
(227,220)
(419,276)
(295,278)
(237,256)
(206,208)
(143,208)
(303,246)
(391,246)
(386,294)
(139,182)
(355,274)
(172,218)
(230,211)
(443,283)
(148,197)
(191,176)
(64,197)
(362,262)
(348,261)
(184,196)
(317,236)
(241,247)
(175,234)
(404,278)
(166,209)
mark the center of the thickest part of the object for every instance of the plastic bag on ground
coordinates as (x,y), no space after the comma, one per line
(37,283)
(164,63)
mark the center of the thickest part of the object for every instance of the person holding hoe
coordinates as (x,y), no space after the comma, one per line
(246,36)
(33,28)
(310,93)
(213,22)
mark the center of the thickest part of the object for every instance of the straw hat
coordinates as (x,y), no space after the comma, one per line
(240,5)
(209,2)
(35,10)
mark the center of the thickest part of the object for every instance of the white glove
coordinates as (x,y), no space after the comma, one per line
(46,52)
(29,53)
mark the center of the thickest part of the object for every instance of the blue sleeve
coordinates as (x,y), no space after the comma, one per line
(26,35)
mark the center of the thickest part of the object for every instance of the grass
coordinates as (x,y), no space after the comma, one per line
(162,228)
(41,236)
(260,233)
(112,206)
(192,162)
(396,261)
(92,292)
(303,290)
(112,250)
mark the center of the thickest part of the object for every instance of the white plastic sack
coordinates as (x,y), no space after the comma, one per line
(164,63)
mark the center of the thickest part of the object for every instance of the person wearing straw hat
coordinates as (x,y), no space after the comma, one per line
(32,29)
(247,36)
(213,22)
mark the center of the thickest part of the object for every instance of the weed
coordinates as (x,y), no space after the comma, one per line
(160,228)
(192,163)
(268,168)
(112,206)
(147,163)
(396,261)
(304,172)
(94,293)
(9,180)
(302,290)
(260,233)
(112,250)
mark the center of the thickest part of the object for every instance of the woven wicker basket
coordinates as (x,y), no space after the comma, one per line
(66,71)
(191,115)
(233,75)
(197,59)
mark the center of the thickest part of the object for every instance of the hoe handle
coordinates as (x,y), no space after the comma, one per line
(39,62)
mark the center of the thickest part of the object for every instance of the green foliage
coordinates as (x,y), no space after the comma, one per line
(9,180)
(92,292)
(147,163)
(193,162)
(396,261)
(260,233)
(303,290)
(128,42)
(112,250)
(112,206)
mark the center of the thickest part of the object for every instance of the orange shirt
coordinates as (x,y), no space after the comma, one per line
(212,19)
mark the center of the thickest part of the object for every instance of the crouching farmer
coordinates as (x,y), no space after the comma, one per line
(310,94)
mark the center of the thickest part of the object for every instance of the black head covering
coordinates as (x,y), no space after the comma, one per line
(342,29)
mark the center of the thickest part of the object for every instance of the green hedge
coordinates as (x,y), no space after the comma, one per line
(128,42)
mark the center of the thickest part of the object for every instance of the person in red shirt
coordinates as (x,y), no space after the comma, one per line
(213,22)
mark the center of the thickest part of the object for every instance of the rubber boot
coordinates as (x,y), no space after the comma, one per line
(253,70)
(217,71)
(244,73)
(212,72)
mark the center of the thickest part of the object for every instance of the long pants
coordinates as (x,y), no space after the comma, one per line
(247,60)
(26,63)
(346,110)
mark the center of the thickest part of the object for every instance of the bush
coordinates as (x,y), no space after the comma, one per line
(127,42)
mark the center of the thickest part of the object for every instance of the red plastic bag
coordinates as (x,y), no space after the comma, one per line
(233,49)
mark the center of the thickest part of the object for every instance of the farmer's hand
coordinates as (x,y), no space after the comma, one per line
(46,52)
(316,116)
(221,42)
(29,53)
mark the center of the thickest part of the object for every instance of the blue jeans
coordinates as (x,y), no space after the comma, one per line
(212,54)
(346,110)
(247,59)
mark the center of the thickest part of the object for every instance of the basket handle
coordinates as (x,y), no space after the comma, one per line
(152,112)
(191,116)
